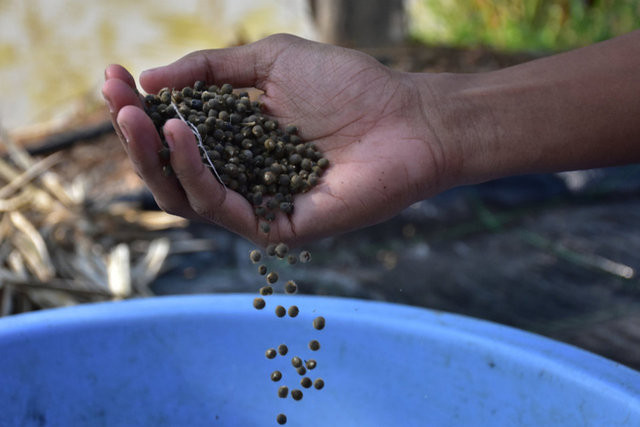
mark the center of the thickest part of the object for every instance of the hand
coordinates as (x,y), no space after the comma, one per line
(367,119)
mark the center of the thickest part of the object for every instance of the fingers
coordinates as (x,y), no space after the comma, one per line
(204,193)
(143,146)
(119,90)
(115,71)
(242,66)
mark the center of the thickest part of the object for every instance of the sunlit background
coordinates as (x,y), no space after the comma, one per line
(554,254)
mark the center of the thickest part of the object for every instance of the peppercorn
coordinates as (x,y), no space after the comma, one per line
(259,303)
(281,418)
(276,376)
(281,250)
(255,256)
(305,256)
(296,361)
(283,350)
(293,311)
(318,322)
(283,390)
(266,290)
(272,277)
(290,287)
(305,382)
(314,345)
(296,394)
(318,384)
(270,353)
(280,311)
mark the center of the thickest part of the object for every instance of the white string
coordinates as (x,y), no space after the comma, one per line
(199,138)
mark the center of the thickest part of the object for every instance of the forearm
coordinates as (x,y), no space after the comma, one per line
(575,110)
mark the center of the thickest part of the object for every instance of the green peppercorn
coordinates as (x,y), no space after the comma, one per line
(272,277)
(281,418)
(323,162)
(290,287)
(283,350)
(270,353)
(296,361)
(291,130)
(283,390)
(305,256)
(280,311)
(318,384)
(318,323)
(255,256)
(296,394)
(293,311)
(281,250)
(266,290)
(259,303)
(314,345)
(271,249)
(276,376)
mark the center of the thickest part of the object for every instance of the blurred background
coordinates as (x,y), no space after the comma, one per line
(555,254)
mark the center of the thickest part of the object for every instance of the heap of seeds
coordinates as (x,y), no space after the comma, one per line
(247,151)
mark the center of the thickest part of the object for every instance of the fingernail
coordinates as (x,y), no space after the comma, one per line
(125,131)
(168,136)
(109,104)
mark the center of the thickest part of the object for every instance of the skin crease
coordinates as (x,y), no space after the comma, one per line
(392,138)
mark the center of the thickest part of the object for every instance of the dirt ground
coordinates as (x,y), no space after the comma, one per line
(552,254)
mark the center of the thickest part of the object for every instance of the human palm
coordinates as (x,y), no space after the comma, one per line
(365,118)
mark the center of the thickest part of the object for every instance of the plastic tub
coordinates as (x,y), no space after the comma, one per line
(200,361)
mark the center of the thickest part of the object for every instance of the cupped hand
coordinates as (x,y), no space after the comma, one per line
(368,120)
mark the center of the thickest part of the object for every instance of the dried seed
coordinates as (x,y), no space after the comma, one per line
(283,390)
(270,353)
(296,361)
(296,394)
(293,311)
(290,287)
(314,345)
(265,227)
(301,370)
(281,250)
(318,323)
(276,376)
(271,249)
(272,277)
(318,384)
(266,290)
(292,259)
(255,256)
(306,382)
(280,311)
(310,364)
(283,350)
(305,256)
(259,303)
(281,418)
(262,270)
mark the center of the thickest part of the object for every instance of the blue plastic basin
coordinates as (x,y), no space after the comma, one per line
(200,361)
